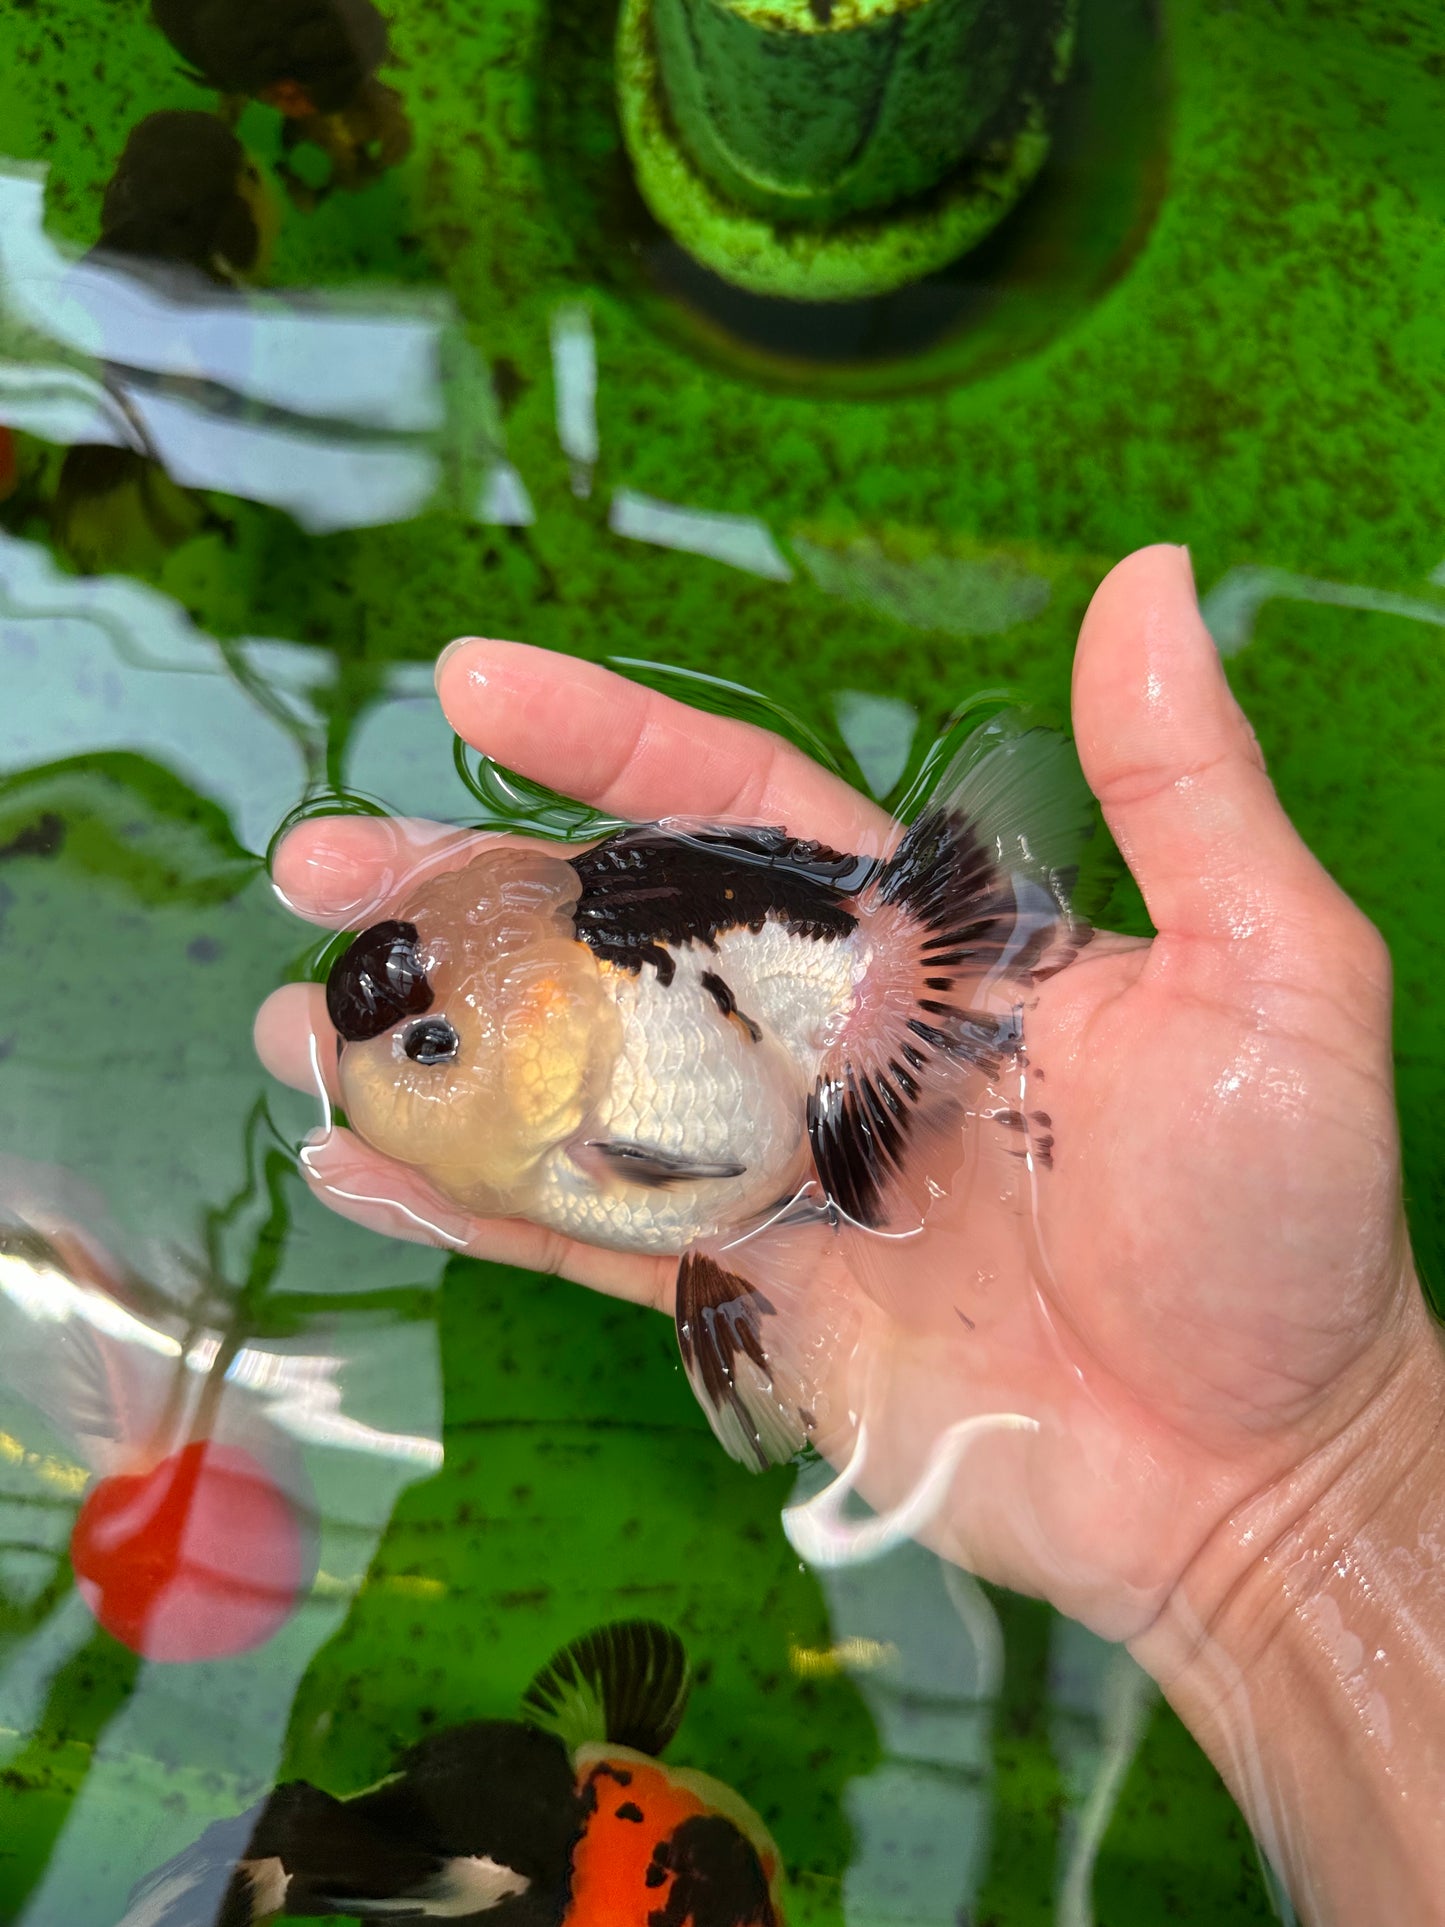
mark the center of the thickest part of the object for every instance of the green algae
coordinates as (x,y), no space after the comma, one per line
(798,227)
(814,112)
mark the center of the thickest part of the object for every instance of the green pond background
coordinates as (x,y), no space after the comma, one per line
(1216,320)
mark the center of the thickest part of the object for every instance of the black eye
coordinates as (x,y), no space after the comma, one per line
(432,1041)
(376,982)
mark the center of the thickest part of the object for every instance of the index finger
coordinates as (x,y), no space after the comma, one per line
(625,749)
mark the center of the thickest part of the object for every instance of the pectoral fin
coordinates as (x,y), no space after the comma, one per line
(648,1164)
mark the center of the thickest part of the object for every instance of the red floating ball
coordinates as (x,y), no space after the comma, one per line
(201,1557)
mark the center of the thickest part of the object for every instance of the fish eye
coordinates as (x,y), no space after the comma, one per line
(431,1041)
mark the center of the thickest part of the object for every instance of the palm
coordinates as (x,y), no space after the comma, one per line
(1199,1291)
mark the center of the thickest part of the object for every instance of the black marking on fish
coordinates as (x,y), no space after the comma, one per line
(493,1790)
(626,1684)
(376,981)
(645,888)
(630,1810)
(722,996)
(719,1317)
(859,1124)
(717,1878)
(648,1164)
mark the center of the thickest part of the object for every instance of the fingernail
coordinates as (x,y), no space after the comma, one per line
(452,648)
(1188,570)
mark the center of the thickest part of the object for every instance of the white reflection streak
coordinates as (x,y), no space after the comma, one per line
(504,500)
(1129,1695)
(741,541)
(1233,604)
(48,1296)
(574,377)
(818,1532)
(330,1186)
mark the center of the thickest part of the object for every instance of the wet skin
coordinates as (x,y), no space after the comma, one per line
(1208,1301)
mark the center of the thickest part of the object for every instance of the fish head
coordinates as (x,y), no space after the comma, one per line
(475,1031)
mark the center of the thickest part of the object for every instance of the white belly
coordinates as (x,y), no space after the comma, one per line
(694,1084)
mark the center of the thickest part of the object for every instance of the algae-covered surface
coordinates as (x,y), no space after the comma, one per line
(480,393)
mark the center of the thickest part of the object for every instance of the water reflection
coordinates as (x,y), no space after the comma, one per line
(326,407)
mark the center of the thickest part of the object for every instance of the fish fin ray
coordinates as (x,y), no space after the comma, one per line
(763,1324)
(968,915)
(625,1684)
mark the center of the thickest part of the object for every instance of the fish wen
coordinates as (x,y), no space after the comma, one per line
(724,1042)
(564,1818)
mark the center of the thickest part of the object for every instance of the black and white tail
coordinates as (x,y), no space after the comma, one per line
(968,914)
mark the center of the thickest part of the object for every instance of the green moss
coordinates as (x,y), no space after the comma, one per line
(811,112)
(746,171)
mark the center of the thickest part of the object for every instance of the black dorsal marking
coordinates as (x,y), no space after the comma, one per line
(722,996)
(645,888)
(376,981)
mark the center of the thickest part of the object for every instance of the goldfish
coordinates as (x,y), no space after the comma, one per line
(716,1040)
(195,1536)
(565,1817)
(186,191)
(314,61)
(185,211)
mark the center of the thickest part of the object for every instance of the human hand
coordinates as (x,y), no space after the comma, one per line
(1210,1283)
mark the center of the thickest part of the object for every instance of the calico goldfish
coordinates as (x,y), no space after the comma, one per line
(564,1818)
(704,1039)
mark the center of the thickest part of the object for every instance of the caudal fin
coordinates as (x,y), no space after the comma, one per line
(969,913)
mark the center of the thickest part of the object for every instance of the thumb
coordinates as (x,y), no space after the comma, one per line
(1175,765)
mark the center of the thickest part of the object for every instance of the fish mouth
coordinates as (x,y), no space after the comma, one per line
(378,980)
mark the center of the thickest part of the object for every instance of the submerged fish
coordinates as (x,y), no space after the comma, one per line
(564,1819)
(718,1040)
(195,1537)
(314,61)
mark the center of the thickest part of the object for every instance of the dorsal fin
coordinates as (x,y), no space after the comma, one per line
(626,1684)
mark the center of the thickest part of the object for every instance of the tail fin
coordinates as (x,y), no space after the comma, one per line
(989,864)
(209,1884)
(969,913)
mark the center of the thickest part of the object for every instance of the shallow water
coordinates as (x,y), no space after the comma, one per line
(506,405)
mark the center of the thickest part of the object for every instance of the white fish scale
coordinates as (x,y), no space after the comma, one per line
(686,1079)
(691,1082)
(799,988)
